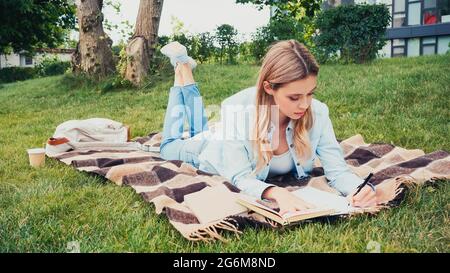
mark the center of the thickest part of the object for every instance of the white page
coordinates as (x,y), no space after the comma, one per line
(320,199)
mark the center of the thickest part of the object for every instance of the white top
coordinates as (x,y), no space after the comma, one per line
(281,164)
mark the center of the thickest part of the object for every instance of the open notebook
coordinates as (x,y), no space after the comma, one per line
(215,203)
(322,199)
(264,209)
(326,204)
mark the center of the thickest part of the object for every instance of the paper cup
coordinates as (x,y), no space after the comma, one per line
(37,157)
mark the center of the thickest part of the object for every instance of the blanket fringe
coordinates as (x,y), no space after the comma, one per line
(406,180)
(211,232)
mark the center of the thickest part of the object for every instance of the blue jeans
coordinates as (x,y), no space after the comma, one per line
(184,101)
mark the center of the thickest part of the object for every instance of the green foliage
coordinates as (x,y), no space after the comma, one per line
(122,58)
(203,46)
(51,66)
(283,28)
(187,40)
(29,24)
(294,9)
(200,46)
(353,32)
(226,37)
(112,83)
(206,47)
(245,53)
(12,74)
(48,66)
(159,59)
(160,62)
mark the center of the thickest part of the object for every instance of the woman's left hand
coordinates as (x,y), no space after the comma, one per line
(367,197)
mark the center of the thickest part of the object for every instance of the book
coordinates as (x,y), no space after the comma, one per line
(321,199)
(326,204)
(213,203)
(264,209)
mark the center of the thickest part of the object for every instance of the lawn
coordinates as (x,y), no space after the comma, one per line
(400,101)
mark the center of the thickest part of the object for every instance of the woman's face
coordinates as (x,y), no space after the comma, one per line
(293,98)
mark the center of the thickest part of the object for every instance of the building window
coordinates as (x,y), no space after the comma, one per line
(417,12)
(25,59)
(429,17)
(399,13)
(398,48)
(399,19)
(429,13)
(428,46)
(443,44)
(414,8)
(429,4)
(399,5)
(444,10)
(28,60)
(413,47)
(388,4)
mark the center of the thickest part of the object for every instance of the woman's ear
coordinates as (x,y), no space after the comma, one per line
(268,87)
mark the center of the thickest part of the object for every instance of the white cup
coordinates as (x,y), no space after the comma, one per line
(37,157)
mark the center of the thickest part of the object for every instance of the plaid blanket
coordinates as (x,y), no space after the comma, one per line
(165,182)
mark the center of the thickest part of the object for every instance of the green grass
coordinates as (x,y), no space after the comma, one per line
(400,101)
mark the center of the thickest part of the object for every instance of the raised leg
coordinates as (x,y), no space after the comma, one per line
(195,109)
(184,101)
(174,117)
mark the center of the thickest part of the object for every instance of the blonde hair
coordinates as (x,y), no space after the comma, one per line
(285,62)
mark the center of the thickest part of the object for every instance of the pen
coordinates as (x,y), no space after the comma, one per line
(358,189)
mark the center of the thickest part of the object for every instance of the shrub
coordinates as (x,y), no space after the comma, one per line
(245,53)
(354,32)
(282,28)
(51,66)
(12,74)
(160,62)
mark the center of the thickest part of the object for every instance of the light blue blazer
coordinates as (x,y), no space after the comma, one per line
(231,154)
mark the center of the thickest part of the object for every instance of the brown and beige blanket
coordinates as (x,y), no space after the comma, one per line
(165,183)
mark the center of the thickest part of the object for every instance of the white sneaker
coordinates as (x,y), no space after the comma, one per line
(192,63)
(177,53)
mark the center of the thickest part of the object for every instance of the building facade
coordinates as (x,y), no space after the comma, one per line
(25,60)
(418,27)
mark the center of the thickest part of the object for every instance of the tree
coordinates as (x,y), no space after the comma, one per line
(30,24)
(296,9)
(206,46)
(283,28)
(226,37)
(141,47)
(93,55)
(354,32)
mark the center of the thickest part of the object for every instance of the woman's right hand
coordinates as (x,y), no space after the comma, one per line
(286,200)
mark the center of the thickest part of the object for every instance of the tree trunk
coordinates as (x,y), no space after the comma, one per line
(93,54)
(141,47)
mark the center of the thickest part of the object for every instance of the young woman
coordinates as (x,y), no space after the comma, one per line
(288,128)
